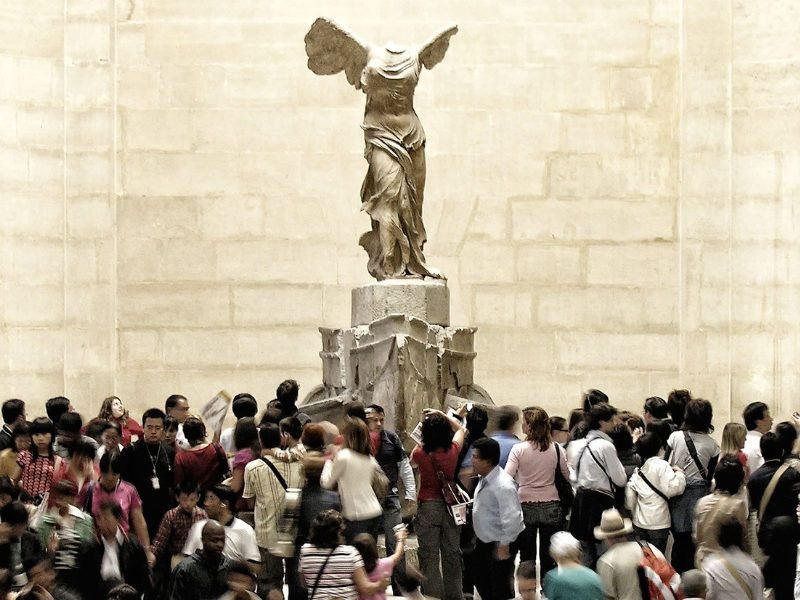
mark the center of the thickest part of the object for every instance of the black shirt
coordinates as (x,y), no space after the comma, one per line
(784,499)
(195,578)
(389,454)
(138,462)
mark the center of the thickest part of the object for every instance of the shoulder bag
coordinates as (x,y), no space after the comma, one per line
(693,452)
(651,486)
(313,589)
(566,495)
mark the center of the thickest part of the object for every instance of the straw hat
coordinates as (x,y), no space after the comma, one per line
(612,525)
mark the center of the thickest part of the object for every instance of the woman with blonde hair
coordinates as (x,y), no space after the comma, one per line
(533,465)
(733,437)
(351,471)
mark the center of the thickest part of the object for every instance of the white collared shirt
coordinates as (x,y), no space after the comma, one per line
(109,567)
(752,449)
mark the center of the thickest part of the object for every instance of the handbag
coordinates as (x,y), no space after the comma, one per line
(380,482)
(566,495)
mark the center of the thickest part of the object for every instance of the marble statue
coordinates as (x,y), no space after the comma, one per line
(393,189)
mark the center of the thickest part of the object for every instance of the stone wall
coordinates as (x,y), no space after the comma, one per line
(611,193)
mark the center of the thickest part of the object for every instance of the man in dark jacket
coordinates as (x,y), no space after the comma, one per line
(19,547)
(13,414)
(112,559)
(147,465)
(204,574)
(778,532)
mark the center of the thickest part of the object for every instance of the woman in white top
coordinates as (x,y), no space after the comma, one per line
(351,473)
(696,453)
(648,490)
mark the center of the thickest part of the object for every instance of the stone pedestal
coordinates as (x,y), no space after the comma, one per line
(400,352)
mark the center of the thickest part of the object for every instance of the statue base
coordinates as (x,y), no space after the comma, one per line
(400,352)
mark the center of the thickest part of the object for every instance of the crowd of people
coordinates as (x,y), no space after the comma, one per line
(597,504)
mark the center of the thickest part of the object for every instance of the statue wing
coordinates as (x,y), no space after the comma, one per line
(331,48)
(432,52)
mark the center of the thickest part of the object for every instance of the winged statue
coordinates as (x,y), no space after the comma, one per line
(393,188)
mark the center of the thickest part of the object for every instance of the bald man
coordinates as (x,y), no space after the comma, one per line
(204,574)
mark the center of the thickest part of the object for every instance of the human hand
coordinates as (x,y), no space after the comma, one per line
(409,506)
(431,411)
(52,543)
(502,552)
(636,434)
(677,469)
(151,558)
(401,535)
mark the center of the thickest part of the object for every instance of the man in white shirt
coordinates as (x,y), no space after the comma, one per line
(758,422)
(240,538)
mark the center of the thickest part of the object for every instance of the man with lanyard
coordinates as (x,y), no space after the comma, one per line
(388,451)
(598,472)
(147,464)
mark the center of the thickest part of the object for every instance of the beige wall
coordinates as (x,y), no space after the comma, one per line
(612,193)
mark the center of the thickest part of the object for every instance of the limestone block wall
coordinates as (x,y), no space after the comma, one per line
(611,192)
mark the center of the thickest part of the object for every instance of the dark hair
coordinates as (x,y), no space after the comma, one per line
(731,533)
(368,549)
(476,422)
(326,528)
(19,430)
(634,422)
(292,426)
(558,424)
(313,436)
(70,422)
(170,423)
(8,488)
(771,446)
(436,433)
(676,405)
(622,438)
(699,414)
(272,415)
(239,567)
(95,428)
(592,397)
(489,449)
(377,408)
(112,425)
(286,393)
(507,417)
(64,487)
(269,435)
(154,413)
(42,425)
(110,463)
(82,448)
(600,412)
(194,429)
(753,412)
(408,577)
(245,434)
(224,493)
(12,410)
(576,416)
(539,430)
(662,428)
(729,475)
(356,436)
(657,407)
(356,410)
(112,506)
(527,569)
(55,407)
(123,592)
(187,487)
(14,513)
(244,405)
(172,402)
(787,434)
(648,446)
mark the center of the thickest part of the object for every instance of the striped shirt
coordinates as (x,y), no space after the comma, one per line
(260,483)
(337,577)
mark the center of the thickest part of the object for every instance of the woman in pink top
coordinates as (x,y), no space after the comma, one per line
(533,465)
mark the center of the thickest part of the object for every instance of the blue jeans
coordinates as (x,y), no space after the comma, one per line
(544,518)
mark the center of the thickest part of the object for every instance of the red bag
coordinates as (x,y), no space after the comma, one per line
(658,580)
